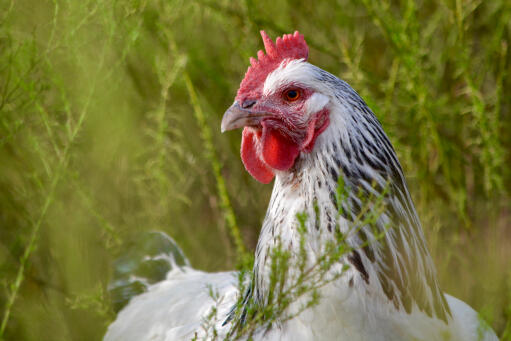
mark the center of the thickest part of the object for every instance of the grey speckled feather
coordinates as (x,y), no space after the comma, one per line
(397,266)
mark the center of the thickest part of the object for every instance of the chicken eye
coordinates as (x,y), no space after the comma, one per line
(292,95)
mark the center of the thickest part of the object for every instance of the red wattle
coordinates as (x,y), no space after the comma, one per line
(266,150)
(278,152)
(251,160)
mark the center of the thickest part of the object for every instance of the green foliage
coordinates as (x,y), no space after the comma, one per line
(109,124)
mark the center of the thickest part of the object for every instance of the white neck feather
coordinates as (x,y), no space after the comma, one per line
(390,262)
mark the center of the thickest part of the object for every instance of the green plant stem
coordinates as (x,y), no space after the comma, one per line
(225,202)
(34,233)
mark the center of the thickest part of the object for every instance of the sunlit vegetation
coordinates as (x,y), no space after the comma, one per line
(110,125)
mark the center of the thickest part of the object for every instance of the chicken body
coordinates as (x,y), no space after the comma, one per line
(388,288)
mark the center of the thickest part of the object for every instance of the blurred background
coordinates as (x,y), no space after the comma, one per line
(110,125)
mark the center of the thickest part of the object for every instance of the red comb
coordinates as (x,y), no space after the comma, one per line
(290,46)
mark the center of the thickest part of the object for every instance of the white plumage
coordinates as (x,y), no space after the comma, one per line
(388,288)
(175,309)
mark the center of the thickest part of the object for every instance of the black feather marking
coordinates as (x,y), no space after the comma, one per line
(355,259)
(330,223)
(334,148)
(317,221)
(346,171)
(368,249)
(334,173)
(333,198)
(337,162)
(346,151)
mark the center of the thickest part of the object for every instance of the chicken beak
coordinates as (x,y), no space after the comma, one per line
(236,117)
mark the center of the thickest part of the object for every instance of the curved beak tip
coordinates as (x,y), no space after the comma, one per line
(236,117)
(227,121)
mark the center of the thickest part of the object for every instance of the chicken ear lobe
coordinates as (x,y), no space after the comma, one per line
(251,159)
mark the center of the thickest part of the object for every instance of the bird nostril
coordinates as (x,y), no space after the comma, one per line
(248,103)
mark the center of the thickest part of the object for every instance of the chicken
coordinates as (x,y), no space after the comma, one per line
(308,129)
